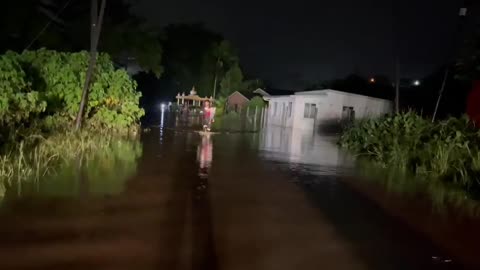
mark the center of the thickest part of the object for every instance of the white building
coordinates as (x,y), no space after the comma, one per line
(309,109)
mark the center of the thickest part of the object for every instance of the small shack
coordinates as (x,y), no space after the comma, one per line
(238,100)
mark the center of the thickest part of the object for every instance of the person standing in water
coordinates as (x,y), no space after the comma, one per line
(208,116)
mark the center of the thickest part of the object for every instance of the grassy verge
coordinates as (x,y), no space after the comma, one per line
(445,152)
(443,196)
(36,157)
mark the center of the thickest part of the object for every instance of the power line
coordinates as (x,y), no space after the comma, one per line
(47,25)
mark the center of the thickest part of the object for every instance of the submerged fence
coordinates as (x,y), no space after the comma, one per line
(248,119)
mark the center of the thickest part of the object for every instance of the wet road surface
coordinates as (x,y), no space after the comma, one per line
(230,201)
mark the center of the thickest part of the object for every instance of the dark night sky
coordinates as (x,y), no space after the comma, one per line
(293,43)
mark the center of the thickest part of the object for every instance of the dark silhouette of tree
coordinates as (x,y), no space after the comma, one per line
(196,56)
(124,36)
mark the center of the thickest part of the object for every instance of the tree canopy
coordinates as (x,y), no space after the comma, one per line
(195,56)
(232,81)
(65,26)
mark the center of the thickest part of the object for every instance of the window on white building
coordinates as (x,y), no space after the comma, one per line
(348,113)
(275,109)
(310,110)
(290,109)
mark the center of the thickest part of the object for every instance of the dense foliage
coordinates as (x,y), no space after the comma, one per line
(196,56)
(44,88)
(257,102)
(448,150)
(232,81)
(17,98)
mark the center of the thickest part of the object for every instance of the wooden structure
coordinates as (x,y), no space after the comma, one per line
(192,99)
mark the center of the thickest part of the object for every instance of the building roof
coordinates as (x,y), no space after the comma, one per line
(239,93)
(273,92)
(251,95)
(326,91)
(261,92)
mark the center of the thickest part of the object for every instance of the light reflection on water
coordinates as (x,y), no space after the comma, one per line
(311,160)
(314,153)
(307,153)
(333,183)
(205,155)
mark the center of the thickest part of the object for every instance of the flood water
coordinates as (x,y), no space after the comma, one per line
(180,200)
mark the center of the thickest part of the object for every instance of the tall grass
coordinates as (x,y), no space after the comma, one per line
(36,156)
(446,151)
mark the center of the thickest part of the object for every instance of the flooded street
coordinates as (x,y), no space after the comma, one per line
(270,200)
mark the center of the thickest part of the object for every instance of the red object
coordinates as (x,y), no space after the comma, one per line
(473,103)
(207,113)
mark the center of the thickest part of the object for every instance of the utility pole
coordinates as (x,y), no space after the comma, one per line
(462,14)
(215,80)
(96,20)
(217,64)
(396,49)
(397,86)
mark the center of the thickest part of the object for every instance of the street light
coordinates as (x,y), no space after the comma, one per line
(416,82)
(372,80)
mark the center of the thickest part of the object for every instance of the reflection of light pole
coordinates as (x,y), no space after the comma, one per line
(462,13)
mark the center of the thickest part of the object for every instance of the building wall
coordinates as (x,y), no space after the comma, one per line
(363,106)
(236,102)
(278,111)
(329,106)
(299,120)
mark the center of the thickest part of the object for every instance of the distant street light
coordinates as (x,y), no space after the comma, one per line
(372,80)
(416,82)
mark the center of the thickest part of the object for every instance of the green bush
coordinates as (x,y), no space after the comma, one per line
(46,86)
(40,94)
(447,150)
(256,102)
(18,101)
